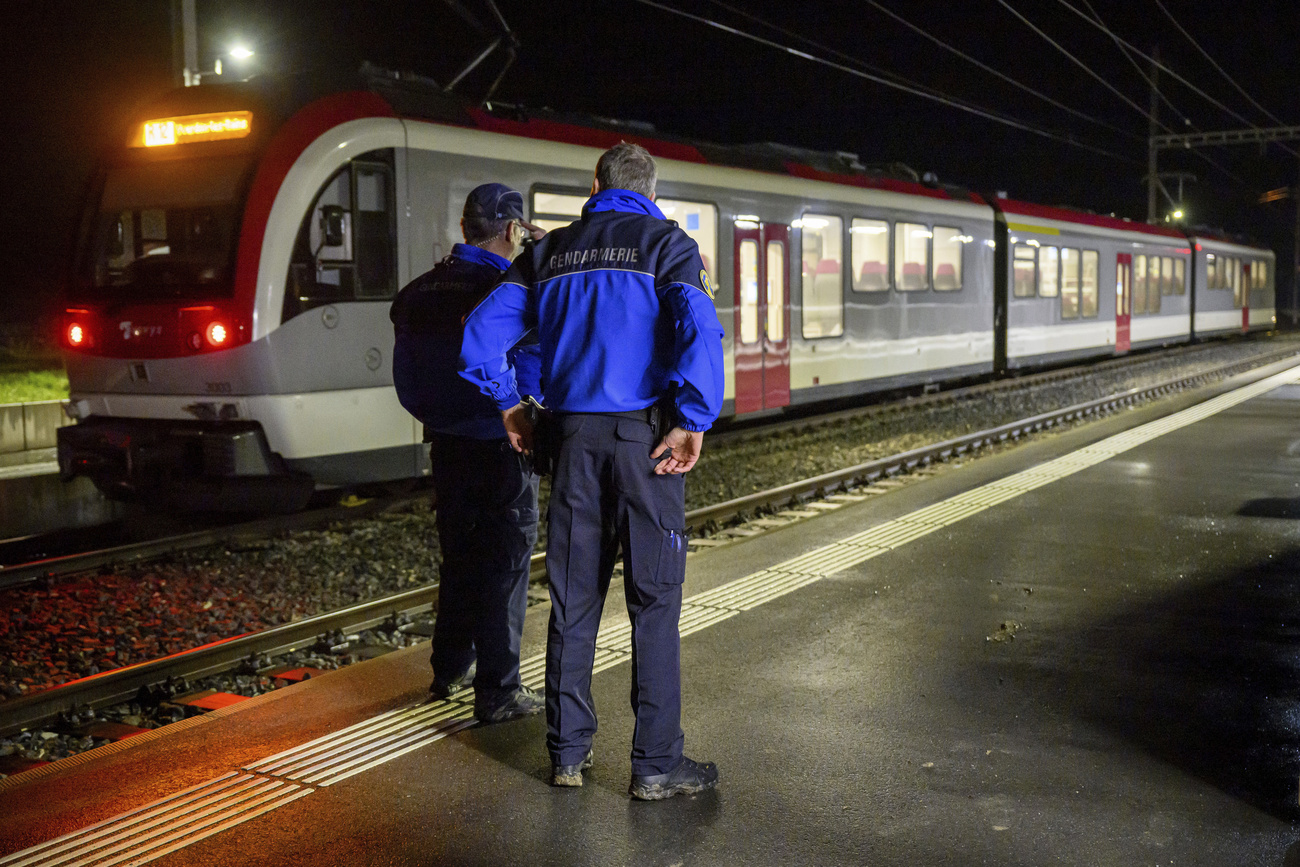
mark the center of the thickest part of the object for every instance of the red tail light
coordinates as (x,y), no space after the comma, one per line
(76,335)
(217,334)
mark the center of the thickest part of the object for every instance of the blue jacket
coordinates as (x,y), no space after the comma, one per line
(622,306)
(427,316)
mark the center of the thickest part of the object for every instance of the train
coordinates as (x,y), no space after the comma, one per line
(226,331)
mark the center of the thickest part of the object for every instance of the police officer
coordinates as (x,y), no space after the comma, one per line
(624,313)
(486,492)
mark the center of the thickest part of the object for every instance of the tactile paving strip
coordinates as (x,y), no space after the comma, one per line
(180,820)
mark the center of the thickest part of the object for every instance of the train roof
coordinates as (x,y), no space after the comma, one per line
(1084,218)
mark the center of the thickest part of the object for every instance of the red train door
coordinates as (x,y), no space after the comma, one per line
(1123,300)
(762,327)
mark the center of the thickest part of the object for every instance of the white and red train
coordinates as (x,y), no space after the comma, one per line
(227,336)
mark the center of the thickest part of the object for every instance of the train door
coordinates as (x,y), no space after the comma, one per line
(1123,300)
(1241,286)
(762,327)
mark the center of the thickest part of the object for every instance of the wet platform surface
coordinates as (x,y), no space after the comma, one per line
(1080,651)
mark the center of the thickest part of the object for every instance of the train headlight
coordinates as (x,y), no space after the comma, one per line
(76,335)
(217,334)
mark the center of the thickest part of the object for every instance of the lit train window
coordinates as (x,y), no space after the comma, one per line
(823,275)
(1025,272)
(1166,276)
(1153,284)
(1139,284)
(1048,275)
(775,291)
(1069,283)
(1088,284)
(553,210)
(949,246)
(1211,271)
(1234,277)
(748,291)
(1180,277)
(1261,274)
(346,245)
(700,221)
(911,257)
(870,250)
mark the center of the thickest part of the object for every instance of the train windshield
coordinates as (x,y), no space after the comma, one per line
(167,229)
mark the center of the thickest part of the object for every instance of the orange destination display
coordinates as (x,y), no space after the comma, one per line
(193,128)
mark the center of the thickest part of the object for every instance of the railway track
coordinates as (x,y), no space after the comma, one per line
(120,685)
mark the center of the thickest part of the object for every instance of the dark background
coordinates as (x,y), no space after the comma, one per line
(73,70)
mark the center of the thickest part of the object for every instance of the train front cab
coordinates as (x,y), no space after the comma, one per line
(1234,288)
(1081,285)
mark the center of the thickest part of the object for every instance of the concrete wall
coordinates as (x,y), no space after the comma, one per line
(30,426)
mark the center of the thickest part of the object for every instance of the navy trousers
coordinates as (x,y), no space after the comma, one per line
(604,495)
(487,526)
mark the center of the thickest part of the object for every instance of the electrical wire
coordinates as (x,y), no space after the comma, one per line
(984,66)
(1076,61)
(1220,69)
(1119,43)
(912,88)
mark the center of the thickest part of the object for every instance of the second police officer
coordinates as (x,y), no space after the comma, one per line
(623,310)
(486,492)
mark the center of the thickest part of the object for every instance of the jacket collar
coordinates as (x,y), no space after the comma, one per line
(623,201)
(479,256)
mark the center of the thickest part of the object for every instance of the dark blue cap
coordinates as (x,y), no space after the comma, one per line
(494,202)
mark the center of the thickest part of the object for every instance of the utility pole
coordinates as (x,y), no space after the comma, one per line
(1153,129)
(189,33)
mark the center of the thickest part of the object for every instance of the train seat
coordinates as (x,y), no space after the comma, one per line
(872,277)
(913,276)
(945,276)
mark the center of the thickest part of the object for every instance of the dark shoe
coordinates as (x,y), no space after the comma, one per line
(521,702)
(688,778)
(447,688)
(570,775)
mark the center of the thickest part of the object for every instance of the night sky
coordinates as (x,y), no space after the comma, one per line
(74,70)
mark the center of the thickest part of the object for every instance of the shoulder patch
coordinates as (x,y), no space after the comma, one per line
(705,284)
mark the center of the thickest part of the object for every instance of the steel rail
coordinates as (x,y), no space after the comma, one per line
(122,684)
(801,491)
(65,564)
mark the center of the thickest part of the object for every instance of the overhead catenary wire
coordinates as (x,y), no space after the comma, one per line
(914,89)
(1163,68)
(1220,69)
(989,69)
(1119,43)
(1076,61)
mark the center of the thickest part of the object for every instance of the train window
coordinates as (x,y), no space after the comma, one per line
(167,229)
(1069,283)
(775,291)
(1234,276)
(1088,283)
(1261,274)
(1048,274)
(1165,265)
(700,221)
(911,257)
(1153,289)
(949,247)
(823,275)
(346,250)
(1211,271)
(1180,277)
(748,268)
(553,210)
(1025,277)
(870,242)
(1139,284)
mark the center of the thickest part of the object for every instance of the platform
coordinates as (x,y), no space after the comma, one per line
(1081,651)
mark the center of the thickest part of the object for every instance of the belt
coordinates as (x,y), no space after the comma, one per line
(635,414)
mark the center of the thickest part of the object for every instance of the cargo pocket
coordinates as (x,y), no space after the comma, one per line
(672,558)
